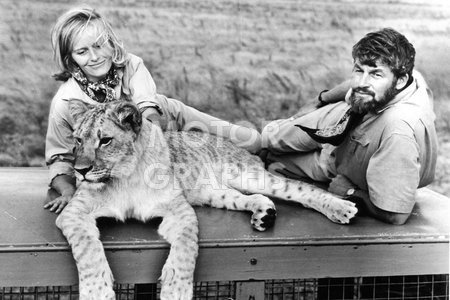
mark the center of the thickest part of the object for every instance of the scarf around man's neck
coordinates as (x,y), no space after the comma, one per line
(101,91)
(336,134)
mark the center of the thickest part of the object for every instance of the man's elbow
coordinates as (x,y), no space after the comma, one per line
(395,218)
(399,219)
(390,217)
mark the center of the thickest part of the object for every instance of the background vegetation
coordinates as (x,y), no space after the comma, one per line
(241,60)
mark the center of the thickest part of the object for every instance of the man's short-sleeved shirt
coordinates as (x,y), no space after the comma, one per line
(393,152)
(389,154)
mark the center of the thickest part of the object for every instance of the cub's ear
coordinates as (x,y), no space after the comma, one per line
(129,116)
(78,108)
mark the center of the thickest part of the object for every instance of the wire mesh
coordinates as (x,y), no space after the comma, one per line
(304,289)
(220,290)
(423,287)
(39,293)
(202,291)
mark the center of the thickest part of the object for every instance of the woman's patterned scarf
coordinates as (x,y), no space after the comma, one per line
(100,91)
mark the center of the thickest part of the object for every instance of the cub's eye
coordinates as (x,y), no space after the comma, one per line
(77,141)
(105,141)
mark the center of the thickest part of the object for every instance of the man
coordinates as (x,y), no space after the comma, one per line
(391,149)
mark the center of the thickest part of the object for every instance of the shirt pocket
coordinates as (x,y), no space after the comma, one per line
(360,144)
(360,139)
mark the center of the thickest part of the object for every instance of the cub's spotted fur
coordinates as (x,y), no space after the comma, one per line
(128,168)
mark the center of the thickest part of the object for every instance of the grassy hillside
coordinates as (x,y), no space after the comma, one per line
(241,60)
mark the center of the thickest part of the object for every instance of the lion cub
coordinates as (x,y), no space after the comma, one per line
(128,168)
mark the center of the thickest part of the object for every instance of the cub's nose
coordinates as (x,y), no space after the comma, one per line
(83,171)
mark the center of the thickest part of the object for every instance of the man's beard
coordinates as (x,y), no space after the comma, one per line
(365,102)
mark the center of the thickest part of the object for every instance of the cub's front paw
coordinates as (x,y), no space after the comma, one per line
(174,286)
(341,211)
(97,284)
(97,293)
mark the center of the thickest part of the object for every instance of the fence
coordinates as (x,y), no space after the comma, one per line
(375,288)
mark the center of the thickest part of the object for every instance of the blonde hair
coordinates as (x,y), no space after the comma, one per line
(68,26)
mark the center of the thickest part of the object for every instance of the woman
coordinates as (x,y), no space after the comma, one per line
(96,68)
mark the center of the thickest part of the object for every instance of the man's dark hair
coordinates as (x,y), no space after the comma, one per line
(389,47)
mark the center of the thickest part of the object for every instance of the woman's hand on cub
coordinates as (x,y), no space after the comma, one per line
(63,188)
(58,204)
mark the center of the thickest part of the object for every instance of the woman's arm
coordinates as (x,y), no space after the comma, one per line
(65,186)
(59,154)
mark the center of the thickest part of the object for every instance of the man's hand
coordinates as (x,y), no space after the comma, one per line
(340,185)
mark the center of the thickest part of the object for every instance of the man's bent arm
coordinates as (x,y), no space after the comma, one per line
(337,93)
(362,199)
(341,186)
(393,178)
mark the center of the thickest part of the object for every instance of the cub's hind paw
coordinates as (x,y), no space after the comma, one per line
(261,220)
